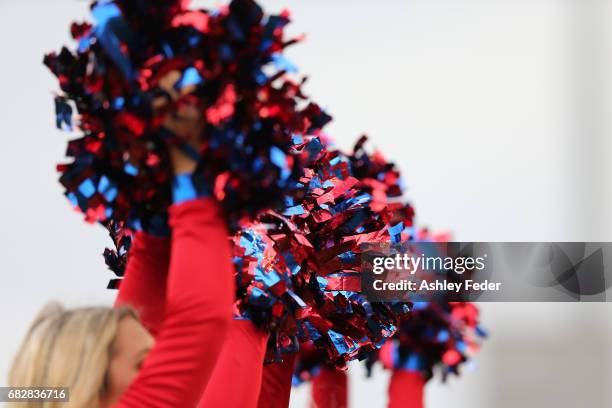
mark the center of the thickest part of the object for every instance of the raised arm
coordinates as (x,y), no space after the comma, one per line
(198,308)
(406,389)
(144,285)
(330,388)
(276,383)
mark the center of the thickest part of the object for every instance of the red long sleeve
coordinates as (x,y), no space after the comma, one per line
(199,299)
(330,389)
(144,284)
(236,380)
(406,389)
(276,383)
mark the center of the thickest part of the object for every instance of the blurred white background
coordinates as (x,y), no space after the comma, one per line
(498,112)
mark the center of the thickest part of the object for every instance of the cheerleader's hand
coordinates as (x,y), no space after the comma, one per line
(186,122)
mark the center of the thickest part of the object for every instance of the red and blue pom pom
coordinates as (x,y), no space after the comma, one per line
(229,64)
(437,337)
(339,209)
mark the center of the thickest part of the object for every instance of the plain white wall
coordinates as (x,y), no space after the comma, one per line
(496,110)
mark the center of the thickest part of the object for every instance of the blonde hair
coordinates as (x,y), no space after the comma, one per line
(68,348)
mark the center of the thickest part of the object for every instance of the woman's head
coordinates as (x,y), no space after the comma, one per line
(96,352)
